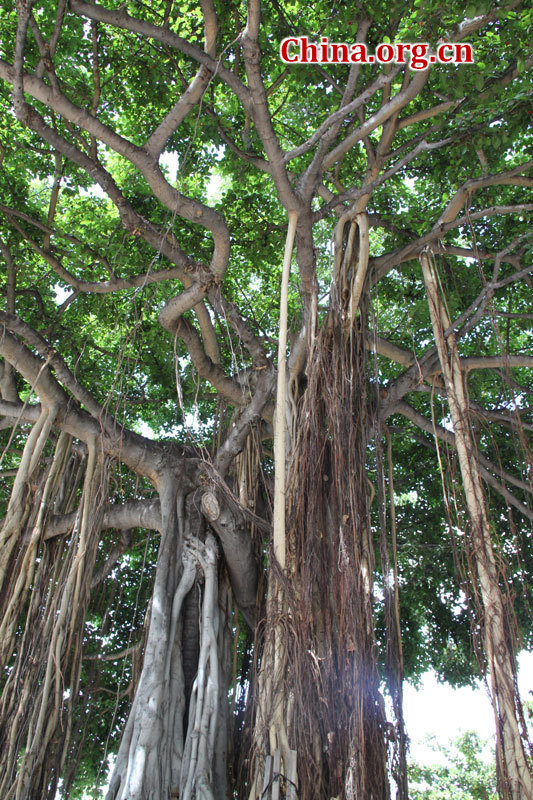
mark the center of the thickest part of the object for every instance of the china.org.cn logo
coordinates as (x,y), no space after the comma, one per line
(299,50)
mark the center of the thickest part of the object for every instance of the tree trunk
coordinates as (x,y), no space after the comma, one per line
(164,751)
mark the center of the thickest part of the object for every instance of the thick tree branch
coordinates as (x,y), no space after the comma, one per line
(242,422)
(206,368)
(141,455)
(427,113)
(486,467)
(393,107)
(261,112)
(134,514)
(229,524)
(401,356)
(120,19)
(383,264)
(147,164)
(234,534)
(356,193)
(192,95)
(491,362)
(512,177)
(194,92)
(342,113)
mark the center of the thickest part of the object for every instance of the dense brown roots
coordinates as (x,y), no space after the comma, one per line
(38,698)
(333,711)
(338,722)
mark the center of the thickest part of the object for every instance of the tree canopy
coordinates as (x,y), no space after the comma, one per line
(155,158)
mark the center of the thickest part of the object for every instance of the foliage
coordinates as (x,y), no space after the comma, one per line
(463,772)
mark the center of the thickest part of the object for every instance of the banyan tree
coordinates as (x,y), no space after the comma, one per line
(265,391)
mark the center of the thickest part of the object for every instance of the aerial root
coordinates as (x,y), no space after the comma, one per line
(203,711)
(46,668)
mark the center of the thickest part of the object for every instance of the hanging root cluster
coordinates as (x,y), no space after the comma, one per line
(335,715)
(492,604)
(45,591)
